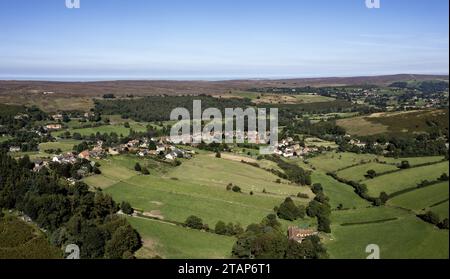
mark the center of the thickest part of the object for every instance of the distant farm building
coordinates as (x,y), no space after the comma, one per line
(297,234)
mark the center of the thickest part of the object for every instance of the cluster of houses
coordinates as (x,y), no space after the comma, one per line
(163,147)
(218,136)
(289,148)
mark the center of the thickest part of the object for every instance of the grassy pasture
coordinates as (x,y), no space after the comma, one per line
(64,145)
(403,238)
(401,180)
(441,209)
(334,161)
(357,173)
(197,187)
(174,242)
(422,198)
(316,142)
(338,193)
(118,129)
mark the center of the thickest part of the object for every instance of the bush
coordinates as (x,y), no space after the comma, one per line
(404,165)
(317,188)
(137,167)
(371,174)
(444,224)
(194,222)
(289,211)
(145,171)
(221,228)
(218,155)
(126,208)
(302,196)
(236,189)
(444,177)
(430,217)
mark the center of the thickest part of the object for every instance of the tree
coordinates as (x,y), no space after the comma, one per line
(137,167)
(124,239)
(371,174)
(289,211)
(444,224)
(430,217)
(404,165)
(221,228)
(194,222)
(126,208)
(236,189)
(384,197)
(317,188)
(444,177)
(324,224)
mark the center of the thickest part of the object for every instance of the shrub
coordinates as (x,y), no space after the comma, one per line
(126,208)
(194,222)
(236,189)
(137,167)
(430,217)
(289,211)
(371,174)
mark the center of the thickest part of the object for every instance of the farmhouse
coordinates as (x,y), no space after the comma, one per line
(297,234)
(53,127)
(68,158)
(84,155)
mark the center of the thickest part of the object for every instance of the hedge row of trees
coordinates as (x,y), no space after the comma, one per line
(320,208)
(291,172)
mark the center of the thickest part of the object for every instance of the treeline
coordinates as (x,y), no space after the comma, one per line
(158,108)
(421,145)
(267,240)
(320,208)
(18,123)
(69,214)
(324,129)
(291,172)
(427,87)
(289,112)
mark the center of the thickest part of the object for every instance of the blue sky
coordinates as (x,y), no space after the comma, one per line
(220,39)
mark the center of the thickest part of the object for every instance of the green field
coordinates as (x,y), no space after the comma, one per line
(64,145)
(175,242)
(119,129)
(358,173)
(338,193)
(422,198)
(404,238)
(197,187)
(334,161)
(404,179)
(19,240)
(441,209)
